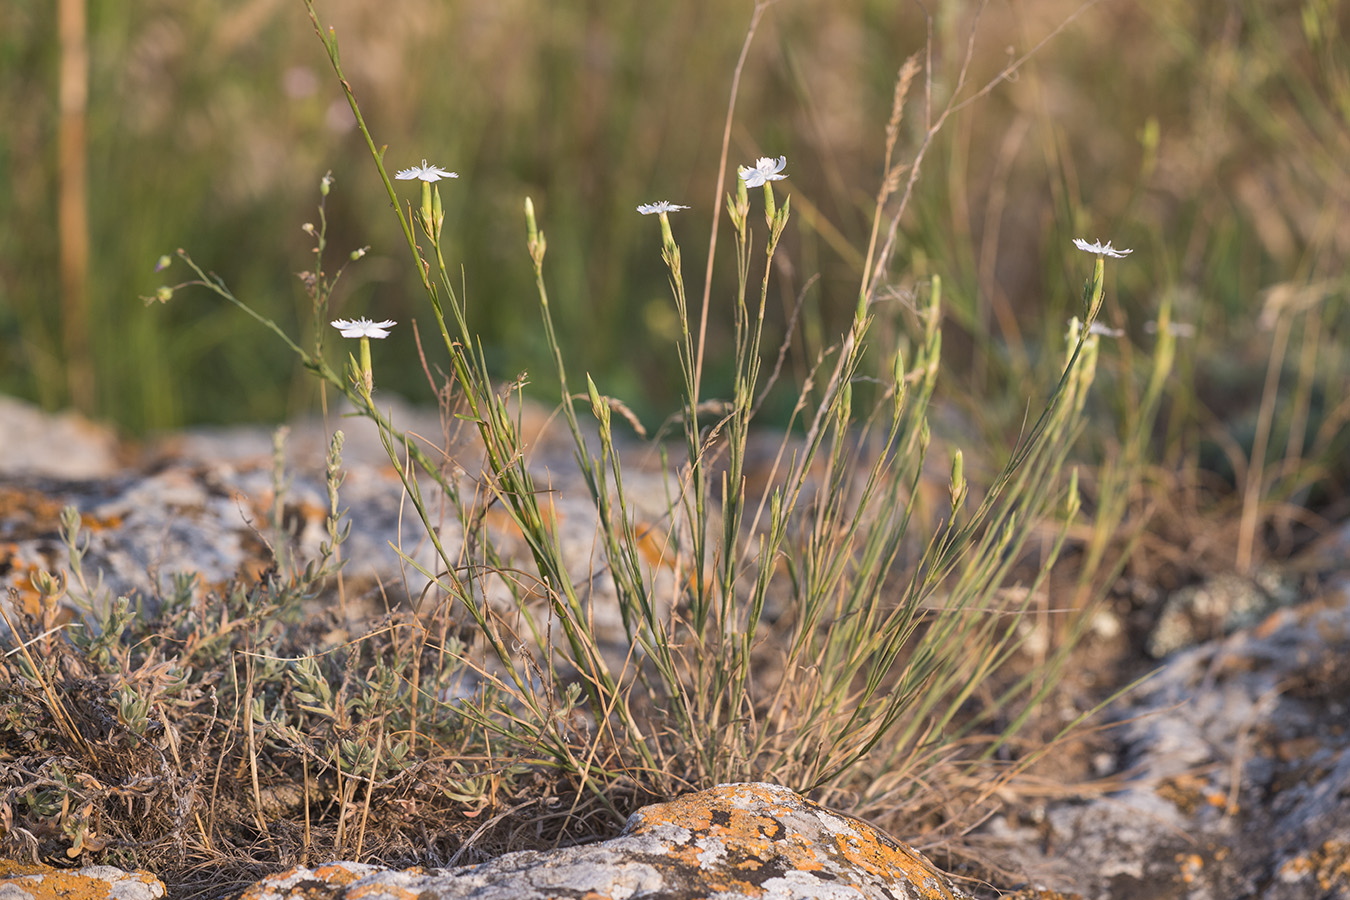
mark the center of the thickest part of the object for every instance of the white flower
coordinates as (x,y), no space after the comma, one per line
(664,206)
(356,328)
(424,172)
(766,169)
(1098,249)
(1105,330)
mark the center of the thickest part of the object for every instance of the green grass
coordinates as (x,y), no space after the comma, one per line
(208,150)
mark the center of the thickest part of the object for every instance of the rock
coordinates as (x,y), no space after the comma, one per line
(36,882)
(203,502)
(733,841)
(43,445)
(1219,606)
(1235,769)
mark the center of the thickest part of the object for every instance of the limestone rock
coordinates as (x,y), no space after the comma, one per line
(1236,771)
(37,882)
(733,841)
(203,501)
(42,445)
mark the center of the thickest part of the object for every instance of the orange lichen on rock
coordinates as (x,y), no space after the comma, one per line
(29,512)
(732,828)
(1329,865)
(323,880)
(732,842)
(20,880)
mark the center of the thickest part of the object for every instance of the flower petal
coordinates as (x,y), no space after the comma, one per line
(363,327)
(424,172)
(766,168)
(1097,248)
(661,206)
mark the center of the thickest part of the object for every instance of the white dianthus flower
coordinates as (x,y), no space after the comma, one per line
(766,169)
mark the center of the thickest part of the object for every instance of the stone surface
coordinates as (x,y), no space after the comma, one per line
(733,841)
(1235,760)
(204,501)
(36,882)
(65,445)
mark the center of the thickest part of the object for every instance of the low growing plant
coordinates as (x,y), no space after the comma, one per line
(845,630)
(870,660)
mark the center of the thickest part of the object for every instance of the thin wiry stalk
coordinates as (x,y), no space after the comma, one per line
(751,29)
(866,659)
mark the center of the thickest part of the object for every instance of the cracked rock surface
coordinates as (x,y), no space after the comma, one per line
(730,842)
(37,882)
(1235,762)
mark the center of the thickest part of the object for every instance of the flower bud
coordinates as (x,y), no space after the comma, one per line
(598,405)
(957,488)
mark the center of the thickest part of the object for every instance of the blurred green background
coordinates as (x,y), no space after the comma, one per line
(1211,137)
